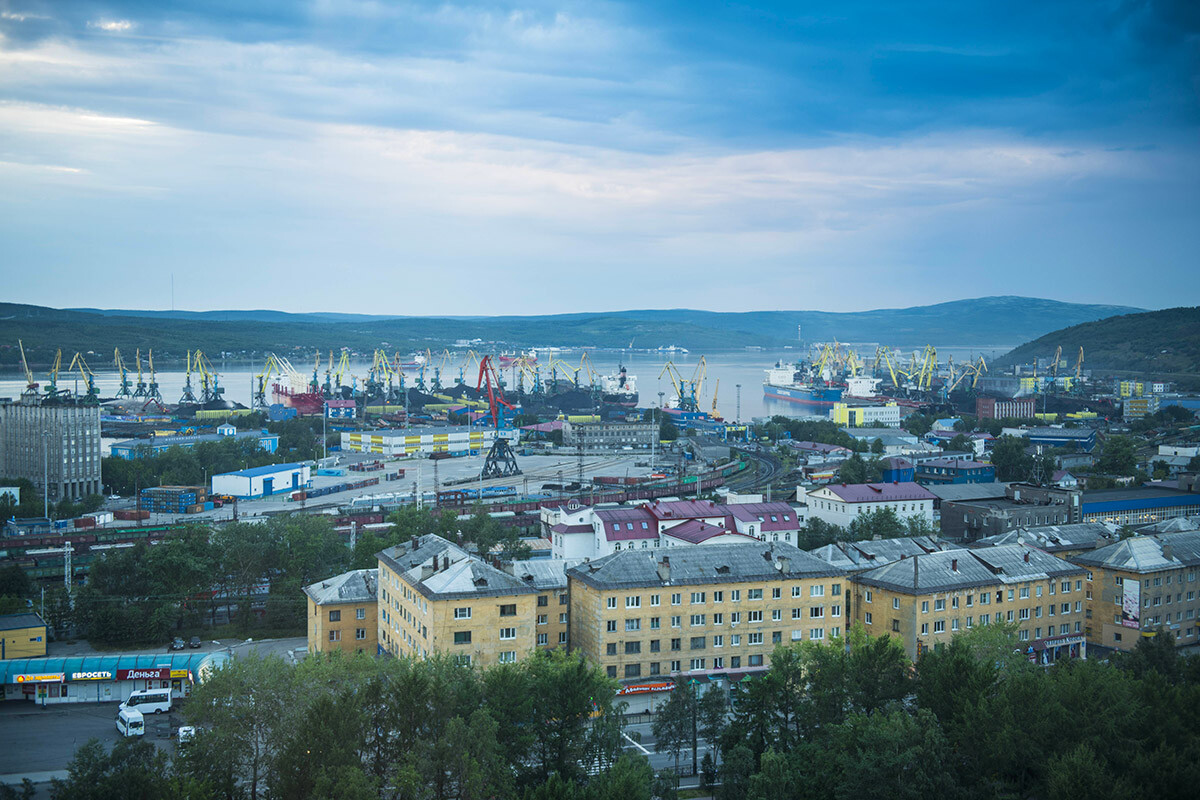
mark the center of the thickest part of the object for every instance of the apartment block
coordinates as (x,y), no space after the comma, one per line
(343,613)
(56,445)
(1141,584)
(926,599)
(714,611)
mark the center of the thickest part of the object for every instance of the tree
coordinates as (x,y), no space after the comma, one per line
(877,447)
(667,432)
(1011,461)
(883,523)
(961,444)
(133,768)
(918,424)
(858,470)
(712,713)
(676,725)
(1118,456)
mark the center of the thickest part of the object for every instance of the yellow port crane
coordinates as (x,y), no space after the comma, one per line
(273,366)
(30,384)
(152,392)
(80,365)
(139,389)
(124,390)
(52,389)
(716,390)
(686,391)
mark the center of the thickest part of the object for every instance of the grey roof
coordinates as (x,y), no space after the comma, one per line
(443,571)
(876,552)
(10,622)
(1146,553)
(1174,525)
(195,438)
(718,563)
(964,569)
(356,586)
(1052,538)
(544,573)
(958,492)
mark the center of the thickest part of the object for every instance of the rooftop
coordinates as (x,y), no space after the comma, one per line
(441,570)
(356,586)
(718,563)
(9,622)
(1054,538)
(158,441)
(954,463)
(269,469)
(1146,553)
(878,492)
(960,492)
(876,552)
(697,531)
(963,569)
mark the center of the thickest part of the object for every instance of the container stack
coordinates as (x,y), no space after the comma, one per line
(174,499)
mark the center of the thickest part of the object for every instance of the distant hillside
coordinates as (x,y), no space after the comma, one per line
(983,321)
(1161,343)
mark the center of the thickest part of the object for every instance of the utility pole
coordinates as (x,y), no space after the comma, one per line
(45,474)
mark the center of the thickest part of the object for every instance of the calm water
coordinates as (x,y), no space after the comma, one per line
(729,368)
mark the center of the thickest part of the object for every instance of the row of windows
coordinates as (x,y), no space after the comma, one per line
(336,614)
(695,664)
(984,598)
(694,643)
(735,596)
(701,620)
(359,634)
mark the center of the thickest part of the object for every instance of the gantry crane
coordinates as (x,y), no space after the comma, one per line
(501,461)
(52,390)
(124,390)
(686,391)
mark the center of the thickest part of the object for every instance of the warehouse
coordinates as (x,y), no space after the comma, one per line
(262,481)
(153,445)
(457,440)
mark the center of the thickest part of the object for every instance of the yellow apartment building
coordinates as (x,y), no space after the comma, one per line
(436,597)
(926,599)
(713,611)
(22,636)
(343,613)
(1141,584)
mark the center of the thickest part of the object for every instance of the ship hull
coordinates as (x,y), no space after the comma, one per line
(815,397)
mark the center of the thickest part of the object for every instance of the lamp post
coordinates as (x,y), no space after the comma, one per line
(45,474)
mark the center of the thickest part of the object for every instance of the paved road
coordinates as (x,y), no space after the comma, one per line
(238,647)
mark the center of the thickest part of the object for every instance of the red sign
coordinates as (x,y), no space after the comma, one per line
(643,688)
(147,674)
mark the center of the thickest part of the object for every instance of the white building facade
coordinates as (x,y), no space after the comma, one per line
(841,503)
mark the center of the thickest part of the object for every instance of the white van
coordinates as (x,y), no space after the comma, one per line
(148,700)
(130,722)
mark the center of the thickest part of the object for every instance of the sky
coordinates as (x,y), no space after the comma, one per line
(543,157)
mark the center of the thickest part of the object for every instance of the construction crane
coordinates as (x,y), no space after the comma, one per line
(124,390)
(501,461)
(716,389)
(30,384)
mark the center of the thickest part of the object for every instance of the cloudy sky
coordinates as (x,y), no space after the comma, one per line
(444,158)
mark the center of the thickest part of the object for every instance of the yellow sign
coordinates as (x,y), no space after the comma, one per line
(49,677)
(179,673)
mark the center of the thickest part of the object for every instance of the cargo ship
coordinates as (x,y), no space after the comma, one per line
(784,383)
(619,389)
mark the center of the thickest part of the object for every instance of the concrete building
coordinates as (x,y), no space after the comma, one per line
(587,532)
(1002,407)
(263,481)
(343,613)
(842,503)
(1139,506)
(1022,506)
(819,450)
(866,416)
(926,599)
(1138,407)
(896,442)
(954,470)
(59,440)
(709,612)
(140,448)
(898,470)
(1141,584)
(610,435)
(22,636)
(436,597)
(398,443)
(1063,541)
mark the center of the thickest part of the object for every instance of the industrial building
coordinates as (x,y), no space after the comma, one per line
(262,481)
(713,613)
(926,599)
(1023,505)
(842,503)
(459,440)
(865,416)
(610,435)
(1002,407)
(55,445)
(1141,584)
(1139,506)
(954,470)
(343,613)
(1138,407)
(1082,439)
(140,448)
(22,636)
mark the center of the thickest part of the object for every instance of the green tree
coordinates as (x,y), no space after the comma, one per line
(877,447)
(676,724)
(667,432)
(1011,461)
(1118,456)
(882,522)
(133,768)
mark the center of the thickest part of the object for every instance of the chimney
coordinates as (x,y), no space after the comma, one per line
(664,569)
(954,565)
(783,564)
(1026,556)
(1168,552)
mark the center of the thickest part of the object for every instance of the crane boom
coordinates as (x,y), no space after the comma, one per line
(30,384)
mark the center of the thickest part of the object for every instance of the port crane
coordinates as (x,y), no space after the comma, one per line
(188,395)
(124,390)
(501,461)
(139,388)
(153,395)
(687,391)
(80,365)
(31,386)
(273,366)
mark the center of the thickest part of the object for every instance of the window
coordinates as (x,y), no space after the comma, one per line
(896,625)
(735,617)
(462,613)
(676,621)
(819,591)
(655,623)
(562,637)
(939,605)
(867,618)
(633,601)
(655,645)
(543,639)
(562,599)
(939,626)
(754,638)
(1024,613)
(508,633)
(562,619)
(816,634)
(610,649)
(335,616)
(676,599)
(835,610)
(335,636)
(755,661)
(698,643)
(1024,592)
(776,593)
(924,628)
(735,595)
(697,597)
(360,613)
(718,619)
(610,626)
(696,620)
(735,662)
(718,597)
(633,670)
(835,589)
(677,644)
(360,633)
(867,595)
(797,613)
(654,599)
(718,663)
(633,624)
(718,641)
(508,610)
(755,616)
(895,602)
(543,600)
(795,591)
(633,648)
(697,663)
(542,619)
(754,594)
(610,602)
(776,637)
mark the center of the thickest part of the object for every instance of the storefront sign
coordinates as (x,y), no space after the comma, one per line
(180,673)
(41,677)
(1062,641)
(643,688)
(93,675)
(149,674)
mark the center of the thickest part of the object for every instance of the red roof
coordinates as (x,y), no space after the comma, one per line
(697,531)
(561,528)
(685,509)
(879,492)
(627,523)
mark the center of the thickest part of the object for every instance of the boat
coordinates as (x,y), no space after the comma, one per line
(619,389)
(784,383)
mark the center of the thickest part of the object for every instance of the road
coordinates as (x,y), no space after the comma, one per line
(640,739)
(286,648)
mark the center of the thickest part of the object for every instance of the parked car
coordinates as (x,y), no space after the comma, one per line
(177,643)
(194,642)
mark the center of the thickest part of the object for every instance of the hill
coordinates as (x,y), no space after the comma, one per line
(1162,344)
(982,321)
